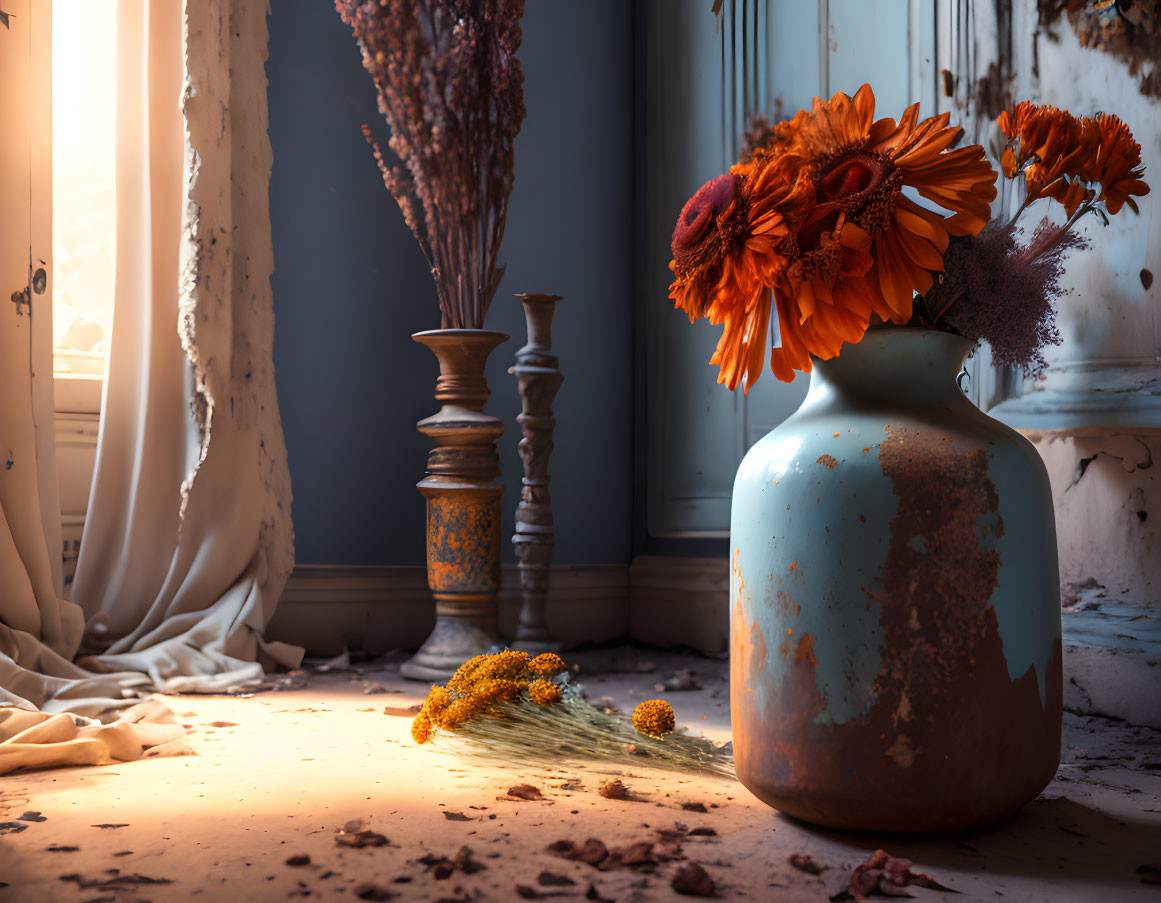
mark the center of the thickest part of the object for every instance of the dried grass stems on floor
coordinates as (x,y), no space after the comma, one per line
(511,708)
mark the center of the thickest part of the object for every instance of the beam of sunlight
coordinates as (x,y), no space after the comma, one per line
(84,59)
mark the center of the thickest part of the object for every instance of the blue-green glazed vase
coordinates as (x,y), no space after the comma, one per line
(895,600)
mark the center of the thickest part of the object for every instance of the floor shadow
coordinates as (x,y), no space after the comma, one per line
(1048,840)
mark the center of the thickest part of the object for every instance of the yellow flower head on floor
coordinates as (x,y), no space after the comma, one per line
(437,700)
(496,689)
(548,664)
(544,692)
(421,728)
(654,717)
(466,672)
(511,664)
(458,711)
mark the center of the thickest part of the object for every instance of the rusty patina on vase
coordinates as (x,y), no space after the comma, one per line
(895,613)
(463,538)
(463,492)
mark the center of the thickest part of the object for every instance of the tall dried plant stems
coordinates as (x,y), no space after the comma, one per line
(452,91)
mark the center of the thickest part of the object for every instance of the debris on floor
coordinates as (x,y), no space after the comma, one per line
(888,875)
(308,776)
(679,681)
(614,789)
(694,881)
(524,792)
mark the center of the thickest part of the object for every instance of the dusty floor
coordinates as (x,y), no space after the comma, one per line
(254,815)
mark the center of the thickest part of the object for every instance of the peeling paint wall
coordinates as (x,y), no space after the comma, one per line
(1129,30)
(1096,419)
(1107,493)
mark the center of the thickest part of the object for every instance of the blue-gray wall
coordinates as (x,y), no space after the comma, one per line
(350,286)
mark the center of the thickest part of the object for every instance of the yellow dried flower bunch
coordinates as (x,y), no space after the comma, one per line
(481,684)
(654,717)
(510,664)
(508,707)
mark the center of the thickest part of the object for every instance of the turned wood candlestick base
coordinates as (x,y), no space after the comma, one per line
(538,379)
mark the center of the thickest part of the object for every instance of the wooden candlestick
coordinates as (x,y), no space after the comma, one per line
(538,378)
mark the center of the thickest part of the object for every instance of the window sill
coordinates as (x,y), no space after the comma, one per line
(77,393)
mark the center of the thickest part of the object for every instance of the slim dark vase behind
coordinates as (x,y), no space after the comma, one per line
(538,378)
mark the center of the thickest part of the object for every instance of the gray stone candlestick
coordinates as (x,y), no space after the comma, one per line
(538,379)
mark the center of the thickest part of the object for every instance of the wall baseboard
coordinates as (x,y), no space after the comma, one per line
(664,601)
(680,602)
(327,608)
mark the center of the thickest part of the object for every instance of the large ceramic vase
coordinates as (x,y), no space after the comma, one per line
(463,491)
(895,604)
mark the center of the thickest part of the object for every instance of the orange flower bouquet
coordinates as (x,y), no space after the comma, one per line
(835,221)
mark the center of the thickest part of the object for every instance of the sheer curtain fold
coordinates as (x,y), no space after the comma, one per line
(133,514)
(187,541)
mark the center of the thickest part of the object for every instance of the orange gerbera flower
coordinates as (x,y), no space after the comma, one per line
(883,247)
(1014,125)
(1062,156)
(823,299)
(815,224)
(1051,147)
(729,247)
(1117,165)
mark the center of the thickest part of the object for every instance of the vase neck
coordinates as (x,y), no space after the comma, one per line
(462,355)
(538,311)
(895,363)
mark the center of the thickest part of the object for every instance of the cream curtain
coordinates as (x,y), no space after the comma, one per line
(175,566)
(187,541)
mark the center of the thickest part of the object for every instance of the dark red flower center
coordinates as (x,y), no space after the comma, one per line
(851,175)
(700,211)
(822,221)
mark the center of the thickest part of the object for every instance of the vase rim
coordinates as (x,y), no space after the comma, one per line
(893,329)
(892,333)
(458,333)
(887,359)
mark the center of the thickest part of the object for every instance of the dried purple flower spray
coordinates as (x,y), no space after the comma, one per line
(996,290)
(452,91)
